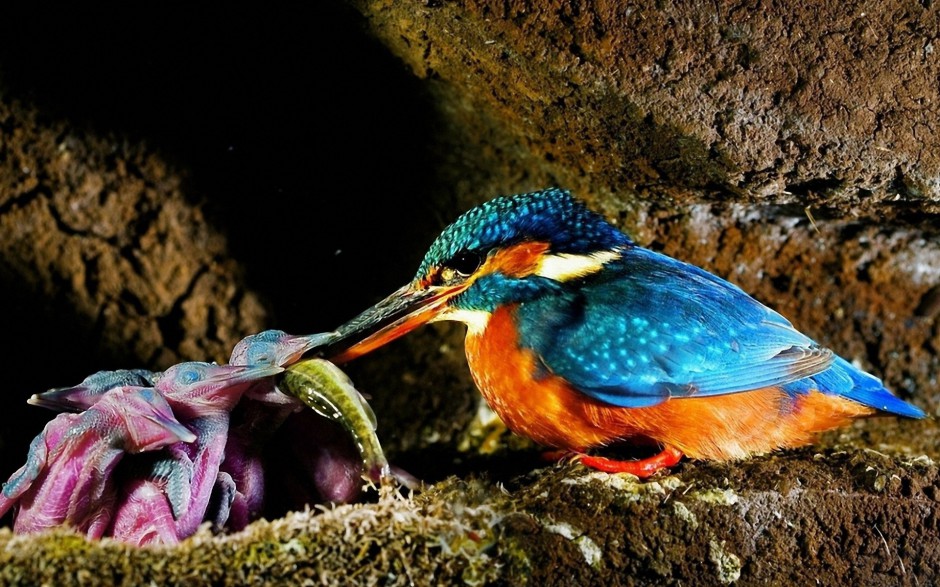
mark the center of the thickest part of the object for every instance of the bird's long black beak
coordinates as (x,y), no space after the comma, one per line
(396,315)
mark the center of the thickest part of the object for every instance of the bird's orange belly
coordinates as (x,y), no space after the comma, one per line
(550,412)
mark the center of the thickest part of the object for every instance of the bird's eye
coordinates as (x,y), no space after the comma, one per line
(189,376)
(461,265)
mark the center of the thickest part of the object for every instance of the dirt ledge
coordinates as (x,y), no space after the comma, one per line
(839,516)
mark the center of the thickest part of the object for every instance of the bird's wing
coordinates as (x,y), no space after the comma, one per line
(24,477)
(650,328)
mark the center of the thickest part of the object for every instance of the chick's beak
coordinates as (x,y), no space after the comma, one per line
(233,375)
(398,314)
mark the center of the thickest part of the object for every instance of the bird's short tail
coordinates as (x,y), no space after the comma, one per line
(845,380)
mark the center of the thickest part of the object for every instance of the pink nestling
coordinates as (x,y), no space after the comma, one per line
(202,396)
(68,476)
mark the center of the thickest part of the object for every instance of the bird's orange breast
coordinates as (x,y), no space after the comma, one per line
(544,407)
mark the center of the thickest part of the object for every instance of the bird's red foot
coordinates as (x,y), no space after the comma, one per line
(642,468)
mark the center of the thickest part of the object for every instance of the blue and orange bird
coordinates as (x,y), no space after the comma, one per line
(578,338)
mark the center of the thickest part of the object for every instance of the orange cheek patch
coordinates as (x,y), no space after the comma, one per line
(516,261)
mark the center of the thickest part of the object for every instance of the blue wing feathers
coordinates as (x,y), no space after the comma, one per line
(651,327)
(845,380)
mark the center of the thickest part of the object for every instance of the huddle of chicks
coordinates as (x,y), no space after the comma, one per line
(147,457)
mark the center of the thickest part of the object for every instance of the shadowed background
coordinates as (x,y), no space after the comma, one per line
(228,160)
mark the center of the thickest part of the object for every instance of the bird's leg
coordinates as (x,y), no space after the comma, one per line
(552,456)
(642,468)
(220,501)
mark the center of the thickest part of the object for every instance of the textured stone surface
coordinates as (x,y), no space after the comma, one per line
(835,102)
(102,256)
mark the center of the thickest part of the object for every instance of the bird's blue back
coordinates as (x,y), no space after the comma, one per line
(649,327)
(645,327)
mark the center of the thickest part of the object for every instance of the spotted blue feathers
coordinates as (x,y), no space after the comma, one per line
(650,328)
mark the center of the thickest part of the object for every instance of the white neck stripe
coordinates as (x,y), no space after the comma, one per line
(565,266)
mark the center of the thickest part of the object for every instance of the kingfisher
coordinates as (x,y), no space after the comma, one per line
(578,339)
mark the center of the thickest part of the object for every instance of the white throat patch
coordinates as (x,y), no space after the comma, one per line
(565,266)
(476,320)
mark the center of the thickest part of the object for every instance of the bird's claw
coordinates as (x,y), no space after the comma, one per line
(642,468)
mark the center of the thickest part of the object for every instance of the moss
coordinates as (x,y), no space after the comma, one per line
(628,488)
(716,496)
(728,564)
(684,513)
(398,539)
(593,555)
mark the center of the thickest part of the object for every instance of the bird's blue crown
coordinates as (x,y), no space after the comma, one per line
(553,216)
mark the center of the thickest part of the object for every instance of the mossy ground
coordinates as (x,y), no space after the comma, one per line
(850,515)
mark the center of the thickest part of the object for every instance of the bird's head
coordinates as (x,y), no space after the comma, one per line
(508,250)
(197,389)
(275,347)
